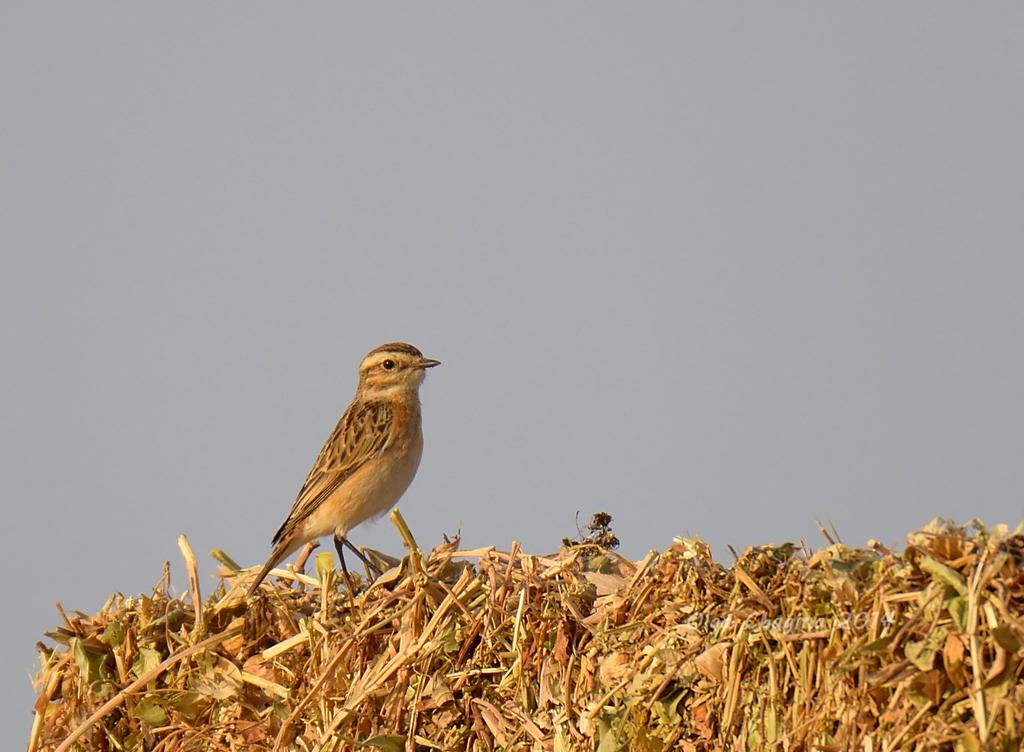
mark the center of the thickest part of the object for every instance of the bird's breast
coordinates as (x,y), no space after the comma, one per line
(379,484)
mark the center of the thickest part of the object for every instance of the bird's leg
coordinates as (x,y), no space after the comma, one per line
(370,566)
(338,541)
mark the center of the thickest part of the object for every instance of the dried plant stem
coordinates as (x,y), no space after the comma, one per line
(193,582)
(977,662)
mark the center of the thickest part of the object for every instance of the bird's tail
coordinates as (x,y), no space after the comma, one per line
(277,555)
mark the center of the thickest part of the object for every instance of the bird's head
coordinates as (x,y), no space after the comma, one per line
(393,370)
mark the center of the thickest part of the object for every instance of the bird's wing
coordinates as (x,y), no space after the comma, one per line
(364,432)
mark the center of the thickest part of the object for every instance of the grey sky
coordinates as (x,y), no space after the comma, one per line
(715,269)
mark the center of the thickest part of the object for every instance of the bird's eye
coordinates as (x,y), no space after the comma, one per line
(388,364)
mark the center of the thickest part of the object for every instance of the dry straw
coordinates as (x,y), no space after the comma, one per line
(842,649)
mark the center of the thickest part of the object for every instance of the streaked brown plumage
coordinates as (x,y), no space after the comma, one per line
(369,459)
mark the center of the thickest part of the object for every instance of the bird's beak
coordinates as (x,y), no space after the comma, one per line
(428,363)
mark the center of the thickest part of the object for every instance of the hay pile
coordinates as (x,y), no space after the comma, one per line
(842,649)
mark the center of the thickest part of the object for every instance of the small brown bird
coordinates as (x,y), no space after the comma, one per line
(369,460)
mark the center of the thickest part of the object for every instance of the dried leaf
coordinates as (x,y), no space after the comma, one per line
(385,742)
(1006,638)
(149,711)
(946,575)
(711,662)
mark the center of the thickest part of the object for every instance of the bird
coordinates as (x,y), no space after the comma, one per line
(367,462)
